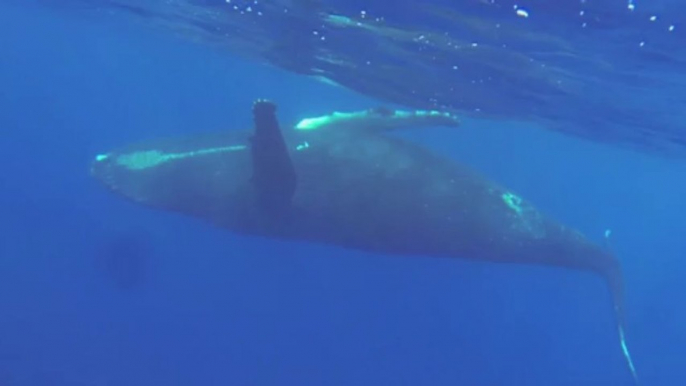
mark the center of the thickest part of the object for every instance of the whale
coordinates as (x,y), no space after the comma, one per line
(341,179)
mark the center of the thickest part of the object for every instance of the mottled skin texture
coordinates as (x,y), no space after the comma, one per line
(360,190)
(365,190)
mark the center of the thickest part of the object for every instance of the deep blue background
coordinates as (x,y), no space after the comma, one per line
(213,308)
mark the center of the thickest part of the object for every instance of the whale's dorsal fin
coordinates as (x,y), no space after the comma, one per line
(274,176)
(379,119)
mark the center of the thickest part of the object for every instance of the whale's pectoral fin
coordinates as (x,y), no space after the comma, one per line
(382,111)
(379,119)
(273,175)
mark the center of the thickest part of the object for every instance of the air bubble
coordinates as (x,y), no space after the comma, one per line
(522,13)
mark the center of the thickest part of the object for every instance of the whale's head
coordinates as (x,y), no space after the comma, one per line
(194,177)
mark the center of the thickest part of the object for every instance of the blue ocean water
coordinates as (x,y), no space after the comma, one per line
(97,291)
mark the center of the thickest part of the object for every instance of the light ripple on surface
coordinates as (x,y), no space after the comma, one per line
(593,69)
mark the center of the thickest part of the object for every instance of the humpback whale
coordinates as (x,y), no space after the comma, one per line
(340,179)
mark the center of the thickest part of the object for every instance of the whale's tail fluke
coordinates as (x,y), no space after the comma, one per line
(616,283)
(615,280)
(627,355)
